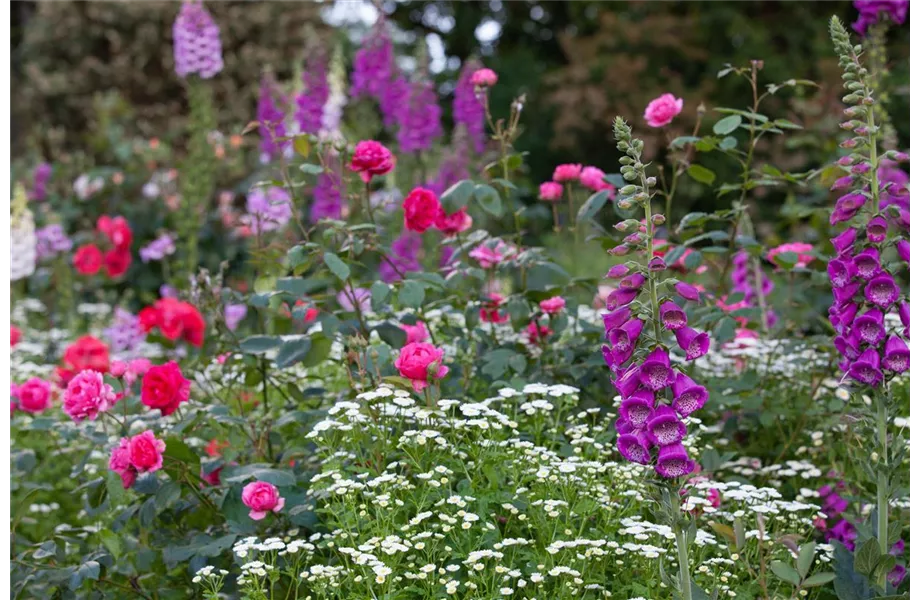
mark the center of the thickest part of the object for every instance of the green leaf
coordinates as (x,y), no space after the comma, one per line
(320,346)
(701,174)
(785,572)
(380,292)
(592,205)
(784,124)
(457,196)
(87,570)
(292,352)
(298,286)
(411,294)
(806,557)
(488,198)
(259,344)
(337,266)
(818,579)
(867,557)
(168,493)
(726,125)
(681,141)
(179,458)
(311,169)
(394,336)
(728,143)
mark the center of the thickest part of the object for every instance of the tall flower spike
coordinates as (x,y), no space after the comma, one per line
(196,42)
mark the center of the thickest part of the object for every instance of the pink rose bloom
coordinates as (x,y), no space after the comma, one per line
(454,223)
(801,248)
(164,387)
(490,313)
(136,368)
(34,395)
(553,305)
(537,333)
(12,407)
(567,172)
(261,498)
(550,191)
(87,395)
(484,78)
(146,452)
(120,462)
(415,333)
(421,209)
(491,257)
(212,478)
(371,158)
(663,109)
(417,360)
(593,179)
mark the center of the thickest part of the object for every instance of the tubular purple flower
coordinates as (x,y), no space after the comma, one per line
(672,316)
(373,67)
(627,380)
(665,426)
(687,291)
(270,114)
(877,229)
(623,340)
(693,342)
(637,408)
(657,264)
(615,319)
(870,327)
(904,250)
(656,372)
(865,368)
(897,355)
(468,110)
(847,349)
(633,282)
(882,291)
(844,294)
(843,243)
(617,272)
(840,271)
(634,447)
(688,395)
(845,315)
(674,462)
(311,100)
(621,297)
(419,118)
(867,263)
(842,183)
(904,313)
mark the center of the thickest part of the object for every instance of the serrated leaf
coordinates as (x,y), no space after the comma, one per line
(592,205)
(337,266)
(701,174)
(487,197)
(785,572)
(726,125)
(259,344)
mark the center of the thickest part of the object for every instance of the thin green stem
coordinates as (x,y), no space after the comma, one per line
(882,472)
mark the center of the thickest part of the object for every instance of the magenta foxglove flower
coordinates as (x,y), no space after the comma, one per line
(871,11)
(870,327)
(904,314)
(419,118)
(623,340)
(665,426)
(882,291)
(633,282)
(867,263)
(614,320)
(693,342)
(469,112)
(688,395)
(373,68)
(672,316)
(903,247)
(877,229)
(865,369)
(270,113)
(310,102)
(656,372)
(634,447)
(621,297)
(674,462)
(617,272)
(636,409)
(196,42)
(897,355)
(687,291)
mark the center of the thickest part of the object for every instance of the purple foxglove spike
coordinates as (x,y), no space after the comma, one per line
(634,447)
(665,427)
(687,291)
(624,426)
(904,219)
(674,462)
(656,372)
(617,272)
(693,342)
(904,313)
(840,271)
(846,348)
(870,327)
(844,294)
(867,263)
(851,202)
(672,316)
(627,381)
(633,282)
(865,368)
(841,215)
(904,250)
(897,355)
(843,243)
(842,183)
(882,290)
(615,319)
(620,297)
(688,395)
(657,264)
(637,408)
(196,42)
(846,314)
(877,229)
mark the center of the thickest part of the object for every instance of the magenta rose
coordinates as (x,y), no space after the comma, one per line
(145,452)
(34,395)
(567,172)
(553,305)
(261,498)
(371,158)
(87,395)
(164,387)
(663,109)
(484,78)
(550,191)
(415,333)
(421,207)
(417,361)
(120,463)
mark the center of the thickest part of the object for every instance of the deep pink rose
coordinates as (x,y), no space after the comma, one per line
(421,207)
(489,257)
(87,395)
(261,498)
(663,109)
(593,179)
(484,78)
(537,333)
(550,191)
(800,248)
(454,223)
(415,333)
(34,395)
(371,158)
(120,462)
(553,305)
(568,172)
(165,388)
(417,360)
(146,452)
